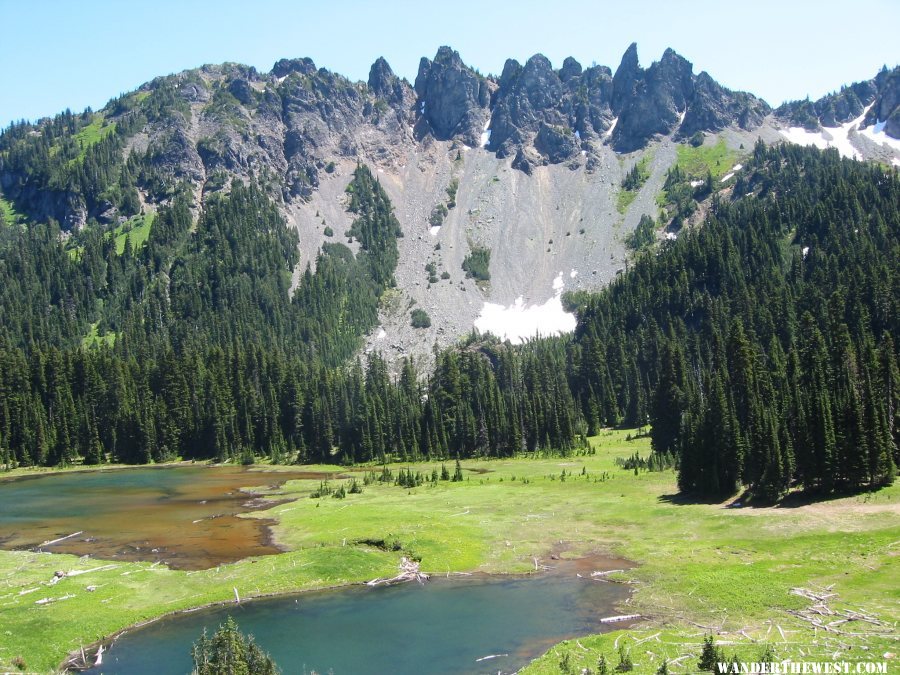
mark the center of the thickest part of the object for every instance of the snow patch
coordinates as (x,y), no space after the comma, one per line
(895,161)
(877,134)
(485,138)
(737,167)
(519,321)
(573,274)
(681,117)
(728,175)
(697,183)
(422,108)
(381,334)
(434,230)
(611,128)
(805,251)
(577,135)
(833,137)
(671,236)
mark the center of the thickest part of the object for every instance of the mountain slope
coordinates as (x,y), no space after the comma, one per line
(528,165)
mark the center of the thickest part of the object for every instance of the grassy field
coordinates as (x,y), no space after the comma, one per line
(10,215)
(716,158)
(93,133)
(93,338)
(701,567)
(139,229)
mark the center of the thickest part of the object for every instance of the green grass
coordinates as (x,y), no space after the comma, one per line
(728,569)
(10,215)
(94,339)
(93,133)
(139,229)
(716,158)
(626,197)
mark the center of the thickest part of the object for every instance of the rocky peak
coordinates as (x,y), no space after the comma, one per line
(667,97)
(570,68)
(528,97)
(285,67)
(626,78)
(452,98)
(383,83)
(381,77)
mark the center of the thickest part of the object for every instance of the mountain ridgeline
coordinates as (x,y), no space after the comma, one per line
(153,304)
(283,127)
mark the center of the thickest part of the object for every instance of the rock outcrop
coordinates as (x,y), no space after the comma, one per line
(881,95)
(453,99)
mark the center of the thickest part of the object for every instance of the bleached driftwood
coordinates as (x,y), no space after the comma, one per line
(56,541)
(409,571)
(621,617)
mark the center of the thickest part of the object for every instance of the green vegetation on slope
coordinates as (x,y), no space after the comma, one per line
(726,568)
(633,182)
(138,228)
(93,133)
(696,161)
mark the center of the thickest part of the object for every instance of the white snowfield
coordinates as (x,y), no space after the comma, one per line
(486,134)
(877,133)
(519,321)
(612,127)
(839,137)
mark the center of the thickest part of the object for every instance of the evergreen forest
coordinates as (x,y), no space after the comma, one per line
(760,347)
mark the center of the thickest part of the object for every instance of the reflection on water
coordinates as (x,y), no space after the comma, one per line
(443,627)
(183,516)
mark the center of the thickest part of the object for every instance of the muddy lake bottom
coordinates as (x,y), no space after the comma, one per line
(183,516)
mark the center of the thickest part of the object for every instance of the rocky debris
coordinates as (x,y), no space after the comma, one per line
(453,99)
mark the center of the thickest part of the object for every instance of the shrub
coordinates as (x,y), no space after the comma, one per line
(477,264)
(420,319)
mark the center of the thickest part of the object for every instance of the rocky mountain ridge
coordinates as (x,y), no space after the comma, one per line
(528,165)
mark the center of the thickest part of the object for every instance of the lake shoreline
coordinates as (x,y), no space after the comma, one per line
(558,566)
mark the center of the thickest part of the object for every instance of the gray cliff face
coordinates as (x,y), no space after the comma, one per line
(453,99)
(667,97)
(886,106)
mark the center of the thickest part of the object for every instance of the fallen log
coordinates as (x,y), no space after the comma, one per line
(621,617)
(409,570)
(56,541)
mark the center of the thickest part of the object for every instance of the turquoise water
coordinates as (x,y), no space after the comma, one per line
(442,627)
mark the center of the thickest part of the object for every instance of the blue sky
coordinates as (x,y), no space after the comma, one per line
(60,53)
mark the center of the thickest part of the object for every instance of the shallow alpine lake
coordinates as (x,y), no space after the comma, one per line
(184,516)
(459,625)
